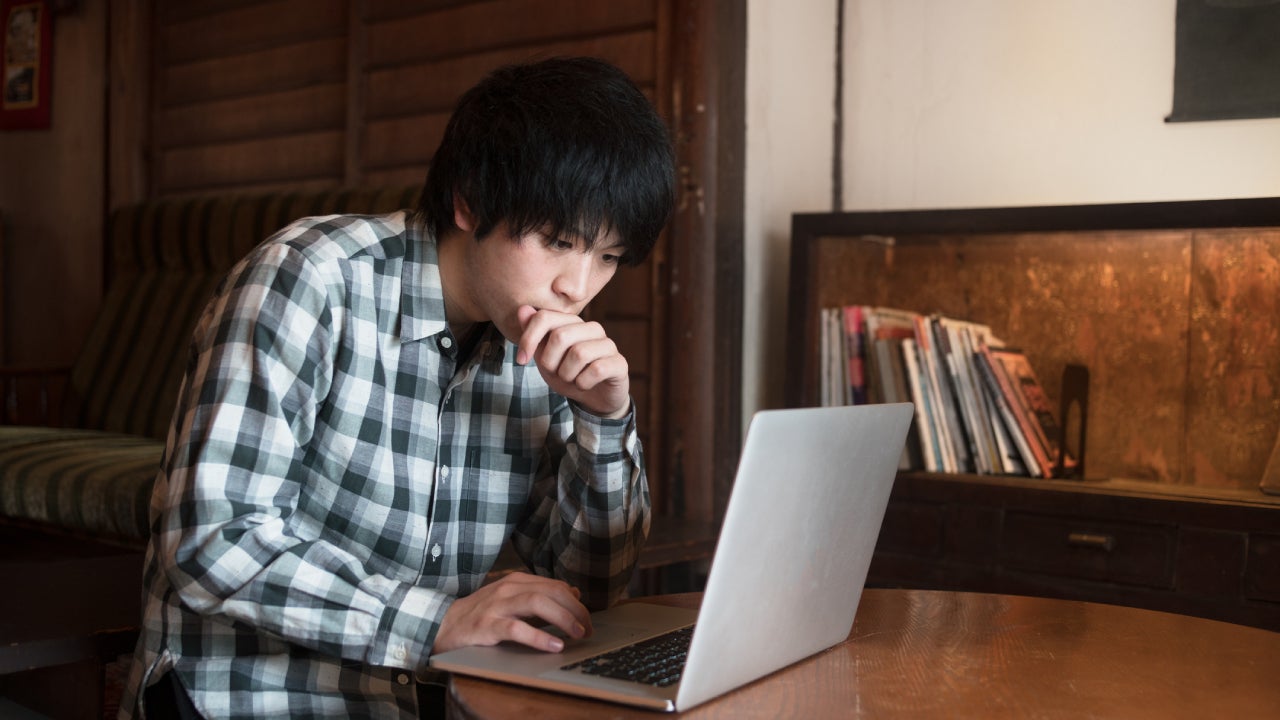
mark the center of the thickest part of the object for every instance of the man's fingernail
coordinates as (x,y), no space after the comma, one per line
(556,645)
(522,358)
(581,630)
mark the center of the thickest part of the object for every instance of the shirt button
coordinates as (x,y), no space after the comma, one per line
(403,679)
(444,472)
(435,551)
(446,342)
(401,653)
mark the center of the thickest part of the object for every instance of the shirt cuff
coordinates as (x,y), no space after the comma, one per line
(604,436)
(408,628)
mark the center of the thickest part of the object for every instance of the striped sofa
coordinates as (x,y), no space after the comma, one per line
(92,473)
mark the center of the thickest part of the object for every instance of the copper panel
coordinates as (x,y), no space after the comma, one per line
(1233,372)
(1116,302)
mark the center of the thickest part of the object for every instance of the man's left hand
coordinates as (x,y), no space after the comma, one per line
(577,359)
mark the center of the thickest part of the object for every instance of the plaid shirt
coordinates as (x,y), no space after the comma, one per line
(336,474)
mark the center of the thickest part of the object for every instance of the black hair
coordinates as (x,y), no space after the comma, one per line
(569,146)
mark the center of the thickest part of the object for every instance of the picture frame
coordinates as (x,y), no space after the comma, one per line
(26,68)
(1225,60)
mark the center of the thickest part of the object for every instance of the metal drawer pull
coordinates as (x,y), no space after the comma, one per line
(1091,540)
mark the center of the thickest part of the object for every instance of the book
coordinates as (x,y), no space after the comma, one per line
(1010,424)
(930,447)
(1036,414)
(833,349)
(855,348)
(939,401)
(881,325)
(978,406)
(974,426)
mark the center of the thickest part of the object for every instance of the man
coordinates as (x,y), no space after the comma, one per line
(374,404)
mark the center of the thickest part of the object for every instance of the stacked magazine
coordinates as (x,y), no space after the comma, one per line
(979,406)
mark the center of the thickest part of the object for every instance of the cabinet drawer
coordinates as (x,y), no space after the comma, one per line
(912,529)
(1127,553)
(1262,578)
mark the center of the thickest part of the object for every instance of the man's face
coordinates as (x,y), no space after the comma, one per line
(505,272)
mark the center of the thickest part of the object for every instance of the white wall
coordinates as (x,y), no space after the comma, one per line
(791,50)
(967,103)
(1025,102)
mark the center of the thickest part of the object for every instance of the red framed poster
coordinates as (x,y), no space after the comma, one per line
(26,48)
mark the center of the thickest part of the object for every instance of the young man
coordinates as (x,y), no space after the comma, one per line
(374,404)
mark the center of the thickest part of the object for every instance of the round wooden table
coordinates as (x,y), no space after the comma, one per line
(927,654)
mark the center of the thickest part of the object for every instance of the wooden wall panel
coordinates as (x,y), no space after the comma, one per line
(257,95)
(319,107)
(180,10)
(294,158)
(479,27)
(253,27)
(403,141)
(397,176)
(257,73)
(378,10)
(435,86)
(248,94)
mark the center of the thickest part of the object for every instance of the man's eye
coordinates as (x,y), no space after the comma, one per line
(610,259)
(562,244)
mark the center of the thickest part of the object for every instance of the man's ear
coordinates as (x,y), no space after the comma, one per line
(462,216)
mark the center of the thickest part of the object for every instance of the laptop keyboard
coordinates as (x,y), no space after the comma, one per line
(658,661)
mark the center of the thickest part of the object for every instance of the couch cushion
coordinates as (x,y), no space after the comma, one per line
(165,259)
(80,480)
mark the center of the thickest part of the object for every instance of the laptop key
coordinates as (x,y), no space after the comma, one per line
(657,661)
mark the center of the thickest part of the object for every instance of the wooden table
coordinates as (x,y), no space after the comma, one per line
(927,654)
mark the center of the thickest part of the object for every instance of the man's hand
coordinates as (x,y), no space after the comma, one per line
(499,611)
(577,359)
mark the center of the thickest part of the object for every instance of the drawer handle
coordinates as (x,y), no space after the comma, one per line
(1098,541)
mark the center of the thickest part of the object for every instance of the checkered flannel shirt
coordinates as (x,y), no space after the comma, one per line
(336,475)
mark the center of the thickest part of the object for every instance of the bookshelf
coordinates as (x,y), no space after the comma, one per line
(1172,307)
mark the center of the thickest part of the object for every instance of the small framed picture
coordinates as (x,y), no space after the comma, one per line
(26,46)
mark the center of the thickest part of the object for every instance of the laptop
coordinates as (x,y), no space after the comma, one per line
(811,490)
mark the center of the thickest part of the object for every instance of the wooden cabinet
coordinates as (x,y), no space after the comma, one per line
(1172,308)
(1126,543)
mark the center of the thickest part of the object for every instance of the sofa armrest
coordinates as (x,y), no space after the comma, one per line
(33,395)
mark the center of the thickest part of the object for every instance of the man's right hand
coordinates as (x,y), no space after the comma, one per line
(502,610)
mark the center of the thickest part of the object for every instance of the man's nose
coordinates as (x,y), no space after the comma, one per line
(573,283)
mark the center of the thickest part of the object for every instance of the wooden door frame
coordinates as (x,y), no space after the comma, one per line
(703,413)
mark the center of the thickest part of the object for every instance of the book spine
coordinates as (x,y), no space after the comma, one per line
(930,448)
(1026,422)
(1008,416)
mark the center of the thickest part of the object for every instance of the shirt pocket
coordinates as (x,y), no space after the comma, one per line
(495,496)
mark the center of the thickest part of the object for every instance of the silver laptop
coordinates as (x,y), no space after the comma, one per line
(789,567)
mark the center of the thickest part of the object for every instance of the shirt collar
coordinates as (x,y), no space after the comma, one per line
(422,296)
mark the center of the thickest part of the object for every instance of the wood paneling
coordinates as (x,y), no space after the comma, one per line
(319,107)
(478,27)
(254,95)
(403,141)
(296,157)
(259,73)
(435,86)
(252,28)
